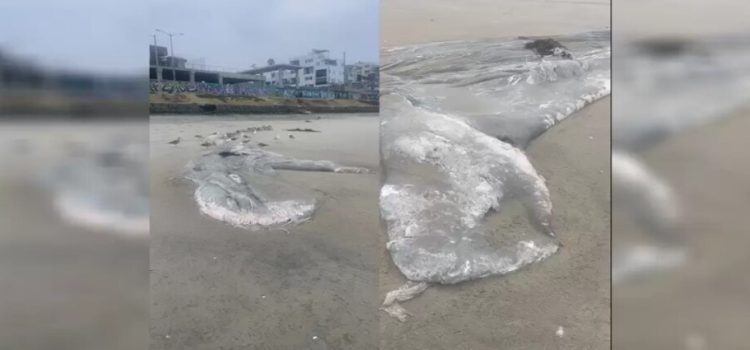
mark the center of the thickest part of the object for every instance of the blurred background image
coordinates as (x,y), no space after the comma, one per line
(74,204)
(74,201)
(679,170)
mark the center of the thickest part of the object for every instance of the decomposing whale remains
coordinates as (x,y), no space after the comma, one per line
(435,223)
(104,186)
(665,86)
(237,184)
(450,133)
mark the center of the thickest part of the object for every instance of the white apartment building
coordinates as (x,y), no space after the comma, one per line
(318,69)
(282,77)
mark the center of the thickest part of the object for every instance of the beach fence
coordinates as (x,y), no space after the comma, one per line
(250,90)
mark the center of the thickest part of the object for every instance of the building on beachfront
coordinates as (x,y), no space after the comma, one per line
(282,75)
(163,67)
(319,69)
(363,75)
(315,69)
(158,57)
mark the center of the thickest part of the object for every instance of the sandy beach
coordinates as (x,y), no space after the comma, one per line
(702,304)
(406,22)
(65,285)
(571,289)
(313,287)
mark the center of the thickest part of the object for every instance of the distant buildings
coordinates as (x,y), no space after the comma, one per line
(362,75)
(158,57)
(318,69)
(171,68)
(280,74)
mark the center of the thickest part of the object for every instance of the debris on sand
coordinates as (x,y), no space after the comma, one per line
(175,141)
(291,136)
(303,130)
(224,154)
(308,121)
(406,292)
(207,144)
(560,332)
(254,129)
(261,144)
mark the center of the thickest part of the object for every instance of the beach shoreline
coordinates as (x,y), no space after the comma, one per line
(214,285)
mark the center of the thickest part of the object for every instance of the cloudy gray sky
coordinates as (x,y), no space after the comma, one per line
(113,35)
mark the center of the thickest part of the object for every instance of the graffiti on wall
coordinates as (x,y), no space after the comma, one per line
(177,87)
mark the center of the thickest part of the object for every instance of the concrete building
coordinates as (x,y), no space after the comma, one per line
(362,74)
(162,73)
(318,69)
(173,68)
(157,55)
(278,74)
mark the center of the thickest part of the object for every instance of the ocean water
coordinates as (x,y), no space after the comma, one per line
(455,117)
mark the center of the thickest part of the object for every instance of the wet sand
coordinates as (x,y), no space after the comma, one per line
(523,310)
(314,287)
(704,303)
(64,285)
(406,22)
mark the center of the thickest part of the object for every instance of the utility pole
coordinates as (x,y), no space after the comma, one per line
(171,49)
(156,58)
(344,66)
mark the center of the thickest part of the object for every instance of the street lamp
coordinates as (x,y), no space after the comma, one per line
(171,49)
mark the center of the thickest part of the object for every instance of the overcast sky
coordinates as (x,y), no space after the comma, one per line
(113,35)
